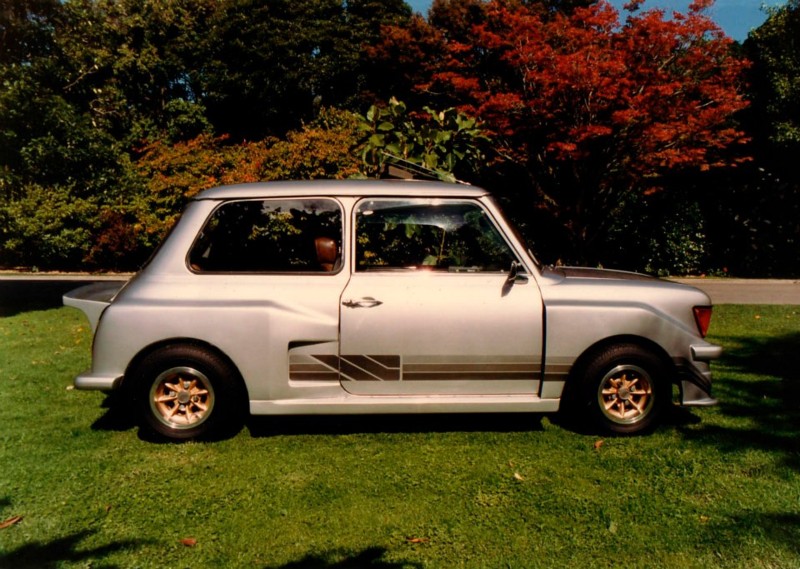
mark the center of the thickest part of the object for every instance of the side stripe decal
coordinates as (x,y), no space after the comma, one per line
(392,368)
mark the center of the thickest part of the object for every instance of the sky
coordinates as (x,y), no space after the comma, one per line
(735,17)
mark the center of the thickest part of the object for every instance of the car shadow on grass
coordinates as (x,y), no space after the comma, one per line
(758,387)
(118,417)
(68,549)
(339,559)
(268,426)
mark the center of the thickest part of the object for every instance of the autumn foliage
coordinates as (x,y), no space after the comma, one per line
(588,107)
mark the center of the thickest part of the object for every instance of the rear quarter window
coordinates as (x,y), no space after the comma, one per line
(270,236)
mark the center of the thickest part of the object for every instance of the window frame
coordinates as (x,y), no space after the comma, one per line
(421,269)
(341,265)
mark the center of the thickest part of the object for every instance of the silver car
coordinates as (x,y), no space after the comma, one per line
(383,297)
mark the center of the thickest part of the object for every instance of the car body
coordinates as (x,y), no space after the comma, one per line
(328,297)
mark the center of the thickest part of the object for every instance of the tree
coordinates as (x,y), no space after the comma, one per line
(127,63)
(757,220)
(589,110)
(25,29)
(774,48)
(103,76)
(447,144)
(322,149)
(174,173)
(269,66)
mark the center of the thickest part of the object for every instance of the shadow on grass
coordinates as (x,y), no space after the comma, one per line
(266,426)
(43,555)
(337,559)
(766,402)
(18,296)
(119,418)
(118,415)
(782,529)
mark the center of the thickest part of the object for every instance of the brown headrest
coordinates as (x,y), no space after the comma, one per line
(326,252)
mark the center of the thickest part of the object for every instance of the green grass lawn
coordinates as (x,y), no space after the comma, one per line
(716,487)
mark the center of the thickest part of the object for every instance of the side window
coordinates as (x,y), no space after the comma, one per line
(453,236)
(277,236)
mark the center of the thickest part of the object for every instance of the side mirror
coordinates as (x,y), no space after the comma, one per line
(515,274)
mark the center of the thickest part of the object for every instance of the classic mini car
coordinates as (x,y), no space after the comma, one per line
(383,297)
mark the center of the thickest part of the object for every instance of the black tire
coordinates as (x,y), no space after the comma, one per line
(185,392)
(625,388)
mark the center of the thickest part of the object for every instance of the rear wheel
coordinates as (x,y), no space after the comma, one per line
(626,389)
(187,392)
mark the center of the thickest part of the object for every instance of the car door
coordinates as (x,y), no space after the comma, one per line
(430,309)
(270,275)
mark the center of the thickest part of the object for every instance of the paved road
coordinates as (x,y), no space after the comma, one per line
(20,293)
(40,292)
(748,291)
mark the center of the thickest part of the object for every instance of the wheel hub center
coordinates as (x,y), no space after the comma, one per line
(624,393)
(183,397)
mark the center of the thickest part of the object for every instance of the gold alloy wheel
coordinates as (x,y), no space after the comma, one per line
(626,394)
(181,398)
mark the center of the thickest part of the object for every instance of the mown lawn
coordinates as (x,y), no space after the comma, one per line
(717,487)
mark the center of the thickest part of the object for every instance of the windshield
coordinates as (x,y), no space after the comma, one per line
(516,233)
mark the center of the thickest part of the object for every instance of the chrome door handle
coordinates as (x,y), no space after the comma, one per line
(366,302)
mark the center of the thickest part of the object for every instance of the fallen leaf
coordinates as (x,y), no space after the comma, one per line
(598,444)
(612,527)
(704,519)
(10,522)
(758,317)
(108,507)
(518,476)
(417,539)
(189,541)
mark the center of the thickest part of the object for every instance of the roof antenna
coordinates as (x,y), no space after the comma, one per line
(404,169)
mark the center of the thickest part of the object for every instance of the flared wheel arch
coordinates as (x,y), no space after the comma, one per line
(572,398)
(129,388)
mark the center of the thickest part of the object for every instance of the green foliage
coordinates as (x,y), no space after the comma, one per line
(25,29)
(50,228)
(680,248)
(776,77)
(752,218)
(759,218)
(661,234)
(268,66)
(45,140)
(449,143)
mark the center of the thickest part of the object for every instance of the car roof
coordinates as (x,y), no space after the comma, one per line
(389,188)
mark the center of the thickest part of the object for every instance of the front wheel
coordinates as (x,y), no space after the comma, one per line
(186,392)
(626,389)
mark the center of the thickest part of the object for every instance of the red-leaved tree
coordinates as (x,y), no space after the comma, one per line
(591,109)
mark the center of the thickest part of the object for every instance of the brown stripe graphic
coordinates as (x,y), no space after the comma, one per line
(388,368)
